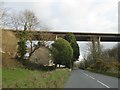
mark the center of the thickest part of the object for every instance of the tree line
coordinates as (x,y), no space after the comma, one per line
(106,61)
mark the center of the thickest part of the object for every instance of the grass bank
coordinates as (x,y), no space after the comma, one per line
(24,78)
(0,78)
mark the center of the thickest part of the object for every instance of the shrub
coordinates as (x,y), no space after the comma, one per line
(62,52)
(107,67)
(92,66)
(101,65)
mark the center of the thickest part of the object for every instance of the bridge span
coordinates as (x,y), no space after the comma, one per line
(80,36)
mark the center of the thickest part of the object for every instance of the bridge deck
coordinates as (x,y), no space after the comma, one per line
(82,36)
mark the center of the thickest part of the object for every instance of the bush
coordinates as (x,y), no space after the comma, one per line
(82,65)
(92,66)
(107,67)
(101,66)
(62,52)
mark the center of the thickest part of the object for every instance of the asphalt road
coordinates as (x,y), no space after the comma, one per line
(85,79)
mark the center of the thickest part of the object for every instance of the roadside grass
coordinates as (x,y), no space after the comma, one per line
(24,78)
(0,77)
(109,73)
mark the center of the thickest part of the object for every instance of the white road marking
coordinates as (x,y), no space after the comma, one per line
(103,84)
(92,77)
(86,74)
(97,80)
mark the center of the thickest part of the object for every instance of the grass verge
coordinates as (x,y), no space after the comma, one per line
(24,78)
(0,78)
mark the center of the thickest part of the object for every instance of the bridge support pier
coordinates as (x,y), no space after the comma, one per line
(96,49)
(99,48)
(93,39)
(56,37)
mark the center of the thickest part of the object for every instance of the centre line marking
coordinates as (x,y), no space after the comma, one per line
(97,80)
(92,77)
(85,74)
(103,84)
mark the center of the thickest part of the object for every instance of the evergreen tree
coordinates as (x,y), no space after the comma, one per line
(72,40)
(62,52)
(22,45)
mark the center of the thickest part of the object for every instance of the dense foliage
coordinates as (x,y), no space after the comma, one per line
(72,40)
(62,52)
(105,62)
(22,45)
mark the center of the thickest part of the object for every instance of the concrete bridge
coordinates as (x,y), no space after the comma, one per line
(80,36)
(93,37)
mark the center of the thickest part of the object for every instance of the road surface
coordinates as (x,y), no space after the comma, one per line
(85,79)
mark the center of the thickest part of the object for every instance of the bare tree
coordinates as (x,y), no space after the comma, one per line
(15,21)
(2,10)
(25,20)
(28,20)
(3,15)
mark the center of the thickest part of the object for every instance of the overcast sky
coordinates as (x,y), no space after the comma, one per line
(73,15)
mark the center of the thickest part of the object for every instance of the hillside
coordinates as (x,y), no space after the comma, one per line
(9,48)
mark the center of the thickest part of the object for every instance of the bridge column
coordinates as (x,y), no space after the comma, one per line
(98,42)
(93,44)
(96,49)
(93,39)
(56,37)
